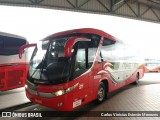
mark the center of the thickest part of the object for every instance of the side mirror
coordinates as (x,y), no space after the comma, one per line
(24,47)
(69,44)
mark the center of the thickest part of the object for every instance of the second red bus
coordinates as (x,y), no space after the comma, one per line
(13,70)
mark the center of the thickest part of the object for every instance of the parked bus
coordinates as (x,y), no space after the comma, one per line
(71,68)
(13,70)
(152,67)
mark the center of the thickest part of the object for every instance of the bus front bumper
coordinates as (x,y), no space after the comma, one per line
(60,103)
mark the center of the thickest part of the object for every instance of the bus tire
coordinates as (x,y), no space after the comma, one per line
(137,78)
(101,95)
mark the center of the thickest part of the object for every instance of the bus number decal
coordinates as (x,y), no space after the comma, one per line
(77,103)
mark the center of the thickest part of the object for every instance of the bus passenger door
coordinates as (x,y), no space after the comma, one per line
(80,73)
(84,68)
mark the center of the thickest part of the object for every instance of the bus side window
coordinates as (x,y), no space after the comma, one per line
(80,60)
(91,55)
(81,56)
(85,54)
(107,49)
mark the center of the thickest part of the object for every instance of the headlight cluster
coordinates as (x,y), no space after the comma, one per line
(61,92)
(33,90)
(26,86)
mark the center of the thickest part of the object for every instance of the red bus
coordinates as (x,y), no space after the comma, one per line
(71,68)
(152,67)
(13,70)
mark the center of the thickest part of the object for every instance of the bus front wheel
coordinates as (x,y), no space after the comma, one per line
(101,95)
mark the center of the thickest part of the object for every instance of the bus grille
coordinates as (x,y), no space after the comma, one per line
(15,77)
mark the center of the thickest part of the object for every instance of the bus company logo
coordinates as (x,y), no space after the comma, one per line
(6,114)
(97,76)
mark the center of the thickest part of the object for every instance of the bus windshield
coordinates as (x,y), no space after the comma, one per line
(48,64)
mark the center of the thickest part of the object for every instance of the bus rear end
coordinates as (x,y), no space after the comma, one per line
(13,70)
(12,76)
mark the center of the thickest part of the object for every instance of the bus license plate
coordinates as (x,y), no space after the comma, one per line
(77,103)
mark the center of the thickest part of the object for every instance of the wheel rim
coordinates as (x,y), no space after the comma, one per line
(101,94)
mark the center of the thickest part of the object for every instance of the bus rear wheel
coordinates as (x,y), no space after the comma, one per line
(101,95)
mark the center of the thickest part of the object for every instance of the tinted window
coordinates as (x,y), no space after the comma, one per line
(112,52)
(10,46)
(85,55)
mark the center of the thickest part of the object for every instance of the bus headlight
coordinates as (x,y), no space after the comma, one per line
(26,86)
(61,92)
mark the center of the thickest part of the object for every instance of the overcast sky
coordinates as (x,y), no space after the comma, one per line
(36,23)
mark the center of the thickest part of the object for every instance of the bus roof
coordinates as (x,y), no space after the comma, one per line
(11,35)
(84,30)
